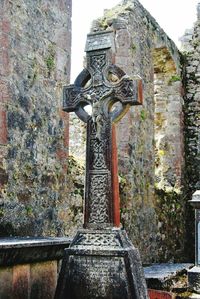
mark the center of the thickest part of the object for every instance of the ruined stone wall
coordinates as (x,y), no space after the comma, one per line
(192,108)
(191,50)
(150,137)
(35,45)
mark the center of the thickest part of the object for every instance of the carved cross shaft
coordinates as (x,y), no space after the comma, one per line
(110,92)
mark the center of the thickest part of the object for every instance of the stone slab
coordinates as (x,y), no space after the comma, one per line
(159,276)
(100,40)
(29,250)
(18,242)
(194,279)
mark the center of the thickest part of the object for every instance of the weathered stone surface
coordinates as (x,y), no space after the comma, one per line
(14,251)
(6,282)
(165,276)
(101,264)
(21,281)
(192,124)
(194,279)
(43,280)
(35,41)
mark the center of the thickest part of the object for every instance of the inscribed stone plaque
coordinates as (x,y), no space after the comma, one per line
(86,272)
(99,41)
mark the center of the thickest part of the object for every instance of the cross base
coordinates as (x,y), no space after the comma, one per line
(103,265)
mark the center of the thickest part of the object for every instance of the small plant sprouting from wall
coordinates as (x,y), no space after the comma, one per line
(174,78)
(133,48)
(29,211)
(1,212)
(50,59)
(143,115)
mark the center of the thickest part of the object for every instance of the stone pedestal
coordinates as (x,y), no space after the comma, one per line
(101,264)
(194,273)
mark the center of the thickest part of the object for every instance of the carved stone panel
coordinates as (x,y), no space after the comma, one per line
(102,265)
(107,272)
(98,189)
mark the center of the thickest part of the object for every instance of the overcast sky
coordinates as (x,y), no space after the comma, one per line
(174,16)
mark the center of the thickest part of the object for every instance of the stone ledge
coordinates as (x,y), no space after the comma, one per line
(14,251)
(194,279)
(161,276)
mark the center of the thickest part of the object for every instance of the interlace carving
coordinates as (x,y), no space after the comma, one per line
(98,240)
(125,90)
(96,95)
(98,151)
(98,197)
(98,62)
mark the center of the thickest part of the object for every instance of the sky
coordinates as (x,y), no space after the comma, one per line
(174,16)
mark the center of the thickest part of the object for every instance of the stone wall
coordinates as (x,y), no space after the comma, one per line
(191,50)
(35,45)
(192,108)
(150,137)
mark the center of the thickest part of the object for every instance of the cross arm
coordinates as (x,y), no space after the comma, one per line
(129,91)
(71,98)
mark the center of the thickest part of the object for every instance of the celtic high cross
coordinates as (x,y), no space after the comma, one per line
(101,262)
(101,85)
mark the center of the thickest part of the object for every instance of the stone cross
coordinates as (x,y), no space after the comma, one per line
(101,262)
(109,92)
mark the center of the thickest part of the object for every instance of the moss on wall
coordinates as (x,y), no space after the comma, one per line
(170,211)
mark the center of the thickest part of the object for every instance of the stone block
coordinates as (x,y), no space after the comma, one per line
(194,279)
(6,275)
(21,281)
(43,280)
(162,276)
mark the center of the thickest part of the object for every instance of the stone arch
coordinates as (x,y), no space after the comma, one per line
(169,153)
(168,121)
